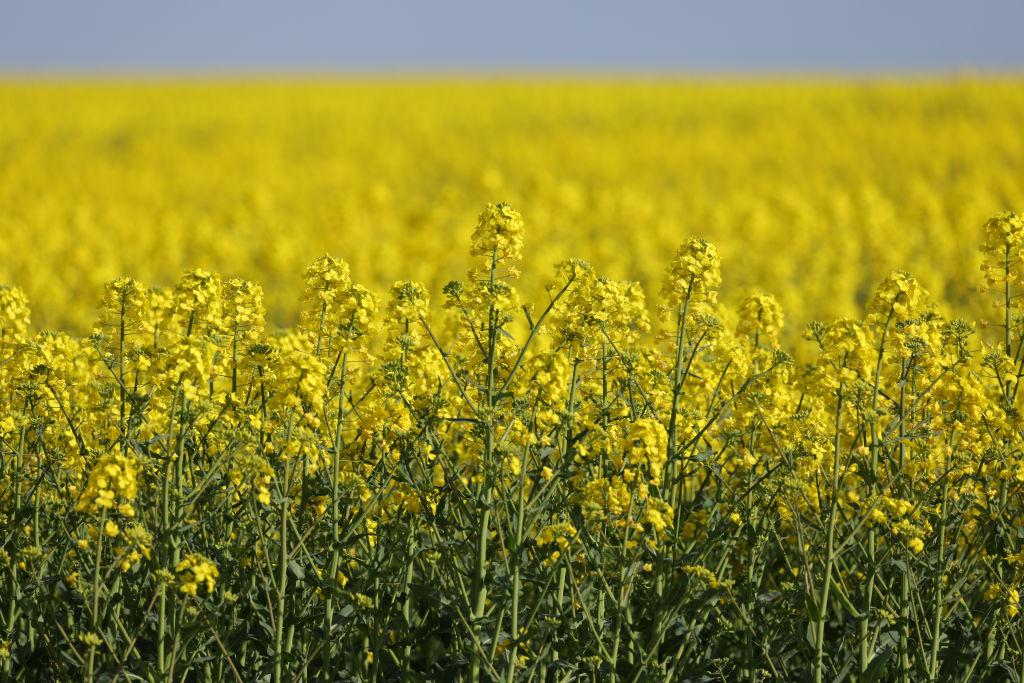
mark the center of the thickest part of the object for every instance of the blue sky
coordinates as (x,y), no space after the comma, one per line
(517,35)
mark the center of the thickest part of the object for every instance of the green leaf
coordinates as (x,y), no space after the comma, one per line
(877,666)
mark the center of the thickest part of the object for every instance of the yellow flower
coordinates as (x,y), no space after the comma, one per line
(645,442)
(91,639)
(409,302)
(703,574)
(196,571)
(123,305)
(250,471)
(760,316)
(693,274)
(899,296)
(1003,247)
(113,482)
(14,315)
(498,235)
(243,310)
(198,302)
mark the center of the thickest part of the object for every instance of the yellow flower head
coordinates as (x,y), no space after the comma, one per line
(197,299)
(124,303)
(1003,246)
(243,308)
(194,572)
(760,316)
(498,236)
(113,483)
(337,312)
(694,274)
(14,315)
(409,302)
(250,471)
(898,296)
(645,442)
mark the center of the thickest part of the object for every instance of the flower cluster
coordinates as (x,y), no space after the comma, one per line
(693,275)
(195,572)
(498,237)
(113,484)
(1003,248)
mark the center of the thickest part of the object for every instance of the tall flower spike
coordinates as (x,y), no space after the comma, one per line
(409,301)
(124,301)
(760,315)
(899,296)
(14,315)
(498,237)
(113,482)
(325,278)
(337,312)
(695,272)
(1003,247)
(197,299)
(244,314)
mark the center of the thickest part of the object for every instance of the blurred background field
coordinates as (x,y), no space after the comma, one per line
(813,189)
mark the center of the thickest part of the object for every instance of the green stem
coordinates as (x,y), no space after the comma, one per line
(822,606)
(335,523)
(95,621)
(933,665)
(282,569)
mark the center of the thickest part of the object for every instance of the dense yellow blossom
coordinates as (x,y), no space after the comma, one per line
(498,237)
(413,479)
(794,182)
(113,483)
(761,317)
(195,572)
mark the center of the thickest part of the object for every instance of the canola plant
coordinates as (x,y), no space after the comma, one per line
(534,472)
(385,493)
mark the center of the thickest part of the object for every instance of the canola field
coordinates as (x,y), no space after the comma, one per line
(512,381)
(813,191)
